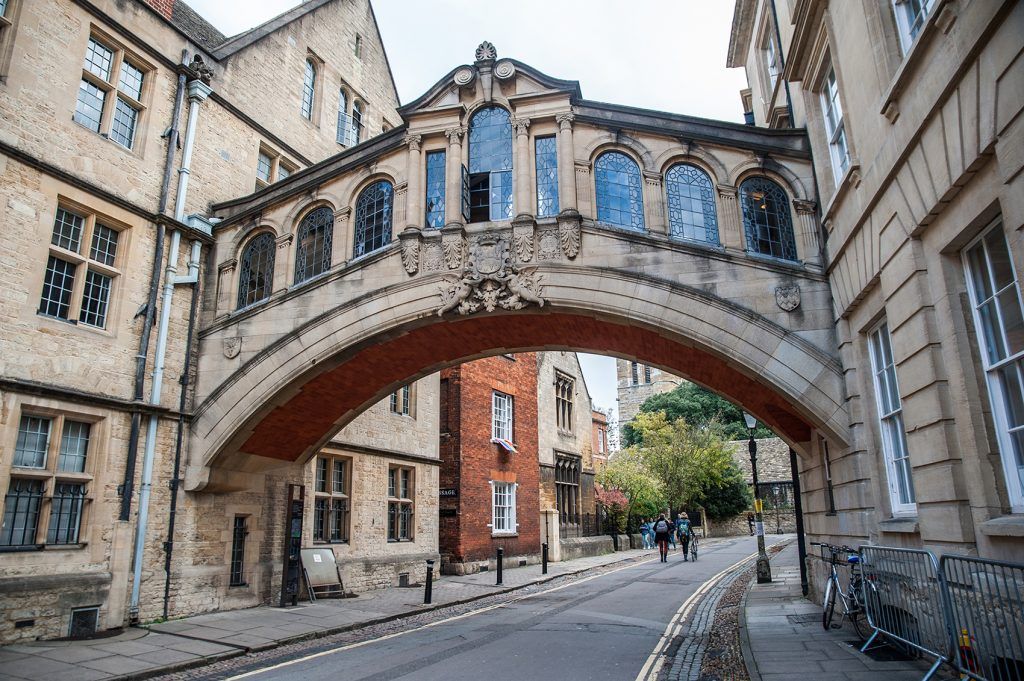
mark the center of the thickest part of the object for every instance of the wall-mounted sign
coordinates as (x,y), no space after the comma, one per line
(447,512)
(448,492)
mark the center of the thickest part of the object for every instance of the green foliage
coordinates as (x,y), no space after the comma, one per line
(627,473)
(731,498)
(696,406)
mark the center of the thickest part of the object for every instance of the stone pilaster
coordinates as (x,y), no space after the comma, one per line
(344,241)
(226,285)
(283,265)
(730,226)
(453,177)
(654,200)
(583,201)
(807,231)
(414,199)
(522,207)
(566,163)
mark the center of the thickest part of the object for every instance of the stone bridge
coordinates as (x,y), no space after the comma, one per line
(509,214)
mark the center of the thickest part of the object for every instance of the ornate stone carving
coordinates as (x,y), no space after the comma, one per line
(521,125)
(727,191)
(549,245)
(787,297)
(411,240)
(413,141)
(522,240)
(232,346)
(464,76)
(564,121)
(453,243)
(504,69)
(569,234)
(486,51)
(202,69)
(432,259)
(804,206)
(490,281)
(455,135)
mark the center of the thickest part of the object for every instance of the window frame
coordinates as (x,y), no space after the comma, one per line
(435,188)
(326,528)
(546,175)
(313,260)
(891,428)
(361,244)
(239,532)
(490,189)
(568,486)
(402,504)
(278,169)
(81,259)
(508,419)
(634,194)
(310,81)
(51,475)
(909,28)
(994,387)
(836,135)
(701,180)
(505,491)
(242,298)
(111,87)
(565,398)
(786,243)
(402,401)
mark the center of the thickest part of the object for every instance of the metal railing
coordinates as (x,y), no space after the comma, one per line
(986,616)
(904,600)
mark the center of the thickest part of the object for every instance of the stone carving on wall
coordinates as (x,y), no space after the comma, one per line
(232,346)
(486,51)
(522,240)
(788,297)
(464,76)
(549,245)
(490,281)
(433,257)
(504,69)
(453,243)
(569,235)
(411,255)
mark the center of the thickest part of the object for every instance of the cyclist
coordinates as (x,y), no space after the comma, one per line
(684,531)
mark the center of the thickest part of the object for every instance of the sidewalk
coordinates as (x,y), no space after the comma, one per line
(203,639)
(782,637)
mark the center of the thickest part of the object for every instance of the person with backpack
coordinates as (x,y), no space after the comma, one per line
(684,531)
(661,535)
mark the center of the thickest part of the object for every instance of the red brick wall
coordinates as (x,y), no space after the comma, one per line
(165,7)
(470,460)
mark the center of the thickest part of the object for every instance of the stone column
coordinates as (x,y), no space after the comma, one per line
(566,163)
(283,265)
(227,289)
(344,239)
(414,195)
(807,234)
(521,162)
(654,201)
(730,226)
(453,177)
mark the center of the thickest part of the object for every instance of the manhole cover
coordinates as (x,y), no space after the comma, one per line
(809,618)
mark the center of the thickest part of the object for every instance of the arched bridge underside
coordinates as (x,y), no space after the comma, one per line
(278,379)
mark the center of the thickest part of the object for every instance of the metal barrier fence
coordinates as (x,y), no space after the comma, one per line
(904,600)
(986,616)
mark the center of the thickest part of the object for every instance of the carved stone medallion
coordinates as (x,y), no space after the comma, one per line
(490,281)
(432,259)
(232,346)
(549,245)
(504,69)
(788,297)
(464,76)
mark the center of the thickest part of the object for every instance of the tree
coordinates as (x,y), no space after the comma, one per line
(627,473)
(731,498)
(698,407)
(687,460)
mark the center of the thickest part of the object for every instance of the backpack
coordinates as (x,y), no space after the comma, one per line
(661,526)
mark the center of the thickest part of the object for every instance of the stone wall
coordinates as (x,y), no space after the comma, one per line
(632,395)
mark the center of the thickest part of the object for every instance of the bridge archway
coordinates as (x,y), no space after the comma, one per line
(286,399)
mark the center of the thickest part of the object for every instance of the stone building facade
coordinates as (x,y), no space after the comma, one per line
(489,478)
(96,206)
(913,110)
(636,382)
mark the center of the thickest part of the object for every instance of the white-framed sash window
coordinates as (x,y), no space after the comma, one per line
(503,507)
(890,417)
(835,128)
(998,318)
(501,413)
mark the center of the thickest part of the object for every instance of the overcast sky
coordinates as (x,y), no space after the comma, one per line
(657,54)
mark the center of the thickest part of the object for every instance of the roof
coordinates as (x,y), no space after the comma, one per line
(739,34)
(198,29)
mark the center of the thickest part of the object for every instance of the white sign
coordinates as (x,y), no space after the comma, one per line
(760,528)
(317,558)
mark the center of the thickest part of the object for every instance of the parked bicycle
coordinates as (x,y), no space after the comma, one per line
(693,547)
(852,599)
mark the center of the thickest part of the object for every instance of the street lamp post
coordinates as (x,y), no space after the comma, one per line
(764,568)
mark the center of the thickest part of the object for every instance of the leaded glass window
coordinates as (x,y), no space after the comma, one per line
(65,513)
(257,273)
(435,188)
(58,283)
(104,244)
(330,507)
(357,121)
(21,512)
(400,504)
(74,446)
(766,219)
(95,299)
(490,165)
(547,176)
(67,230)
(313,244)
(106,70)
(344,132)
(619,191)
(691,204)
(373,218)
(33,442)
(308,90)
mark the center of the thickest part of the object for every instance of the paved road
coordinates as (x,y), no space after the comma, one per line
(600,627)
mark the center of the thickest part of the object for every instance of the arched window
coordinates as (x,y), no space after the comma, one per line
(344,132)
(308,89)
(313,244)
(691,204)
(620,198)
(257,274)
(490,165)
(373,218)
(766,220)
(357,121)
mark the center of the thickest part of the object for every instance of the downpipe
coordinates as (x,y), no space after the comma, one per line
(197,93)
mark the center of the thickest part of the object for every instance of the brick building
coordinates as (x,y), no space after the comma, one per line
(489,494)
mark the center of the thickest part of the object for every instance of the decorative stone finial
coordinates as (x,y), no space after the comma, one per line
(486,51)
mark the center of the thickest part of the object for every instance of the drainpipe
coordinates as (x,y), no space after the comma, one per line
(127,486)
(198,91)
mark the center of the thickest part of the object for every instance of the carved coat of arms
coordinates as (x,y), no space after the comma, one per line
(232,346)
(787,297)
(490,281)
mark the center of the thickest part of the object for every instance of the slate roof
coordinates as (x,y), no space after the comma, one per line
(198,29)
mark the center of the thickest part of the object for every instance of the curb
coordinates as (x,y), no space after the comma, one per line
(748,655)
(323,633)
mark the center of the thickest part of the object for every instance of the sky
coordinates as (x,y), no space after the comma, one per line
(667,55)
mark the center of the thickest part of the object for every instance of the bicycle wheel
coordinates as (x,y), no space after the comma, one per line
(829,604)
(693,550)
(861,624)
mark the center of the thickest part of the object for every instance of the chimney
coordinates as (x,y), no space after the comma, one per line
(164,7)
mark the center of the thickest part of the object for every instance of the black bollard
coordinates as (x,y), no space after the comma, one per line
(428,588)
(501,553)
(544,558)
